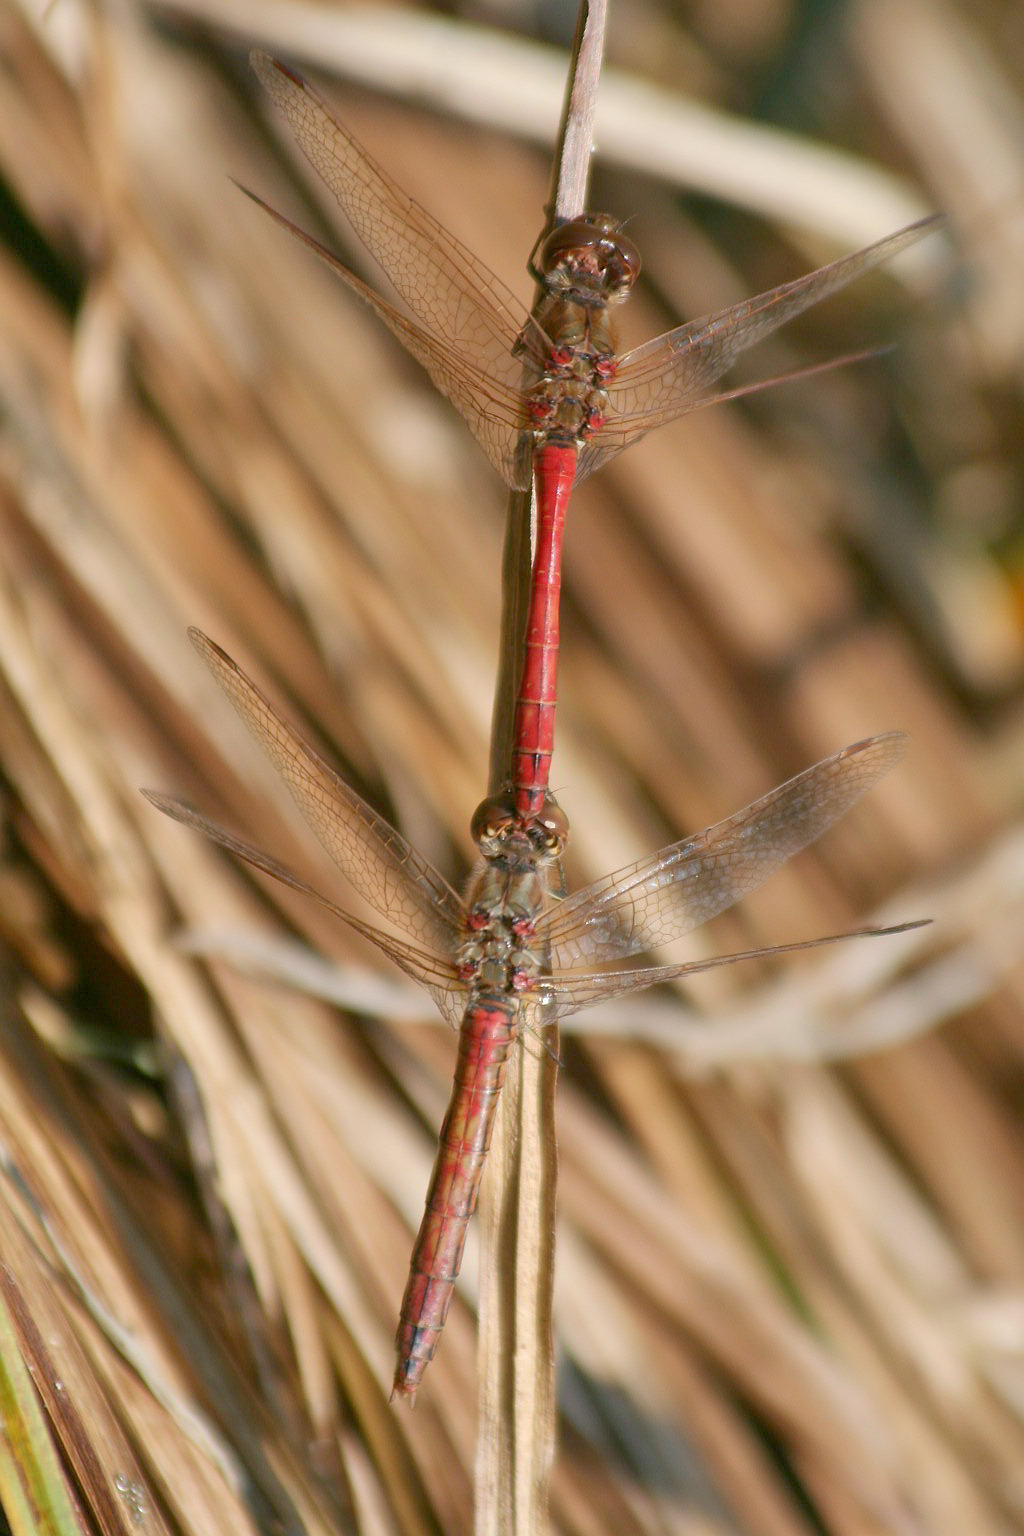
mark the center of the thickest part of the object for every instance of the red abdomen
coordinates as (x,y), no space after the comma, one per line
(554,472)
(487,1032)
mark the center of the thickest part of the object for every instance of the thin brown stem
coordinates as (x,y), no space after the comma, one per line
(516,1438)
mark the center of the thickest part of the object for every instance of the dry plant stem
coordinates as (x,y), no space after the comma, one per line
(32,1491)
(516,1428)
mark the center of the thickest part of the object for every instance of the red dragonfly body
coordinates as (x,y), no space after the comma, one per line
(546,394)
(509,956)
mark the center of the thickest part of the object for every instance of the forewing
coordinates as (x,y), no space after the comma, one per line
(493,410)
(676,890)
(452,293)
(432,971)
(676,373)
(571,993)
(386,871)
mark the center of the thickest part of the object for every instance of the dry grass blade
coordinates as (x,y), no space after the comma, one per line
(32,1490)
(516,1436)
(789,1278)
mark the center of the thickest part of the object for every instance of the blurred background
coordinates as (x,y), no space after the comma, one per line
(790,1293)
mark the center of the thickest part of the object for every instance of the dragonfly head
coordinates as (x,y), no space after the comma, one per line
(589,261)
(499,831)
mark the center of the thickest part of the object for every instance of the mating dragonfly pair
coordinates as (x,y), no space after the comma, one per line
(547,397)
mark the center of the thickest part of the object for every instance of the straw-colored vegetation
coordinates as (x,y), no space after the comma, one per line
(790,1260)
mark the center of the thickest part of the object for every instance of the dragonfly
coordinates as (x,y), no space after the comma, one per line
(509,955)
(546,393)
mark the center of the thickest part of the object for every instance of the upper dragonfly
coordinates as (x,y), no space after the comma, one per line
(509,953)
(545,394)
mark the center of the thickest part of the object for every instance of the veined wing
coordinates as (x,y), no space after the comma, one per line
(492,408)
(386,871)
(676,373)
(677,889)
(432,971)
(447,288)
(577,990)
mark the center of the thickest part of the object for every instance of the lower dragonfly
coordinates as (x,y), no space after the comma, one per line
(509,951)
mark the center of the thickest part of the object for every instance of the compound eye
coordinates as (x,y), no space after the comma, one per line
(569,240)
(555,824)
(491,818)
(622,262)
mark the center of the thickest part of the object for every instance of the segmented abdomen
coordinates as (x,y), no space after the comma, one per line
(487,1032)
(534,727)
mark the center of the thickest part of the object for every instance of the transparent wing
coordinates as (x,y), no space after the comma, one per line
(493,409)
(453,294)
(676,373)
(431,971)
(677,889)
(571,993)
(389,874)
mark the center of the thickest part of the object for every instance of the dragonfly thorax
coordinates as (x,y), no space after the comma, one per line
(501,974)
(503,904)
(505,899)
(569,401)
(567,410)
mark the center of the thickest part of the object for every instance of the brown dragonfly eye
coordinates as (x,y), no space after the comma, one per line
(555,823)
(491,818)
(577,236)
(621,263)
